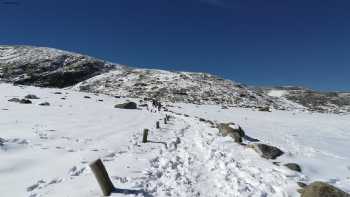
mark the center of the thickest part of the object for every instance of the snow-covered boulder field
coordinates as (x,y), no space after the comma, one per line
(45,149)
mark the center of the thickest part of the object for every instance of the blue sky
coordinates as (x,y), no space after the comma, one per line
(272,42)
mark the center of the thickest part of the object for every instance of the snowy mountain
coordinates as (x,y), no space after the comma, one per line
(48,67)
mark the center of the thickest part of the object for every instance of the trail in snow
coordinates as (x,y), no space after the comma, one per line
(203,164)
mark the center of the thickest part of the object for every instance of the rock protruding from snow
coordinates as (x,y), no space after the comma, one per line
(127,105)
(44,104)
(267,151)
(47,67)
(21,101)
(321,189)
(31,96)
(293,166)
(232,130)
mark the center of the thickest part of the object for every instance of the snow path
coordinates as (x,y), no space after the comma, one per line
(203,164)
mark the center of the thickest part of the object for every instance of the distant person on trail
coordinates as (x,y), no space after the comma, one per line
(159,106)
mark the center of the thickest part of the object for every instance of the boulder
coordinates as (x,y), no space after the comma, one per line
(22,101)
(321,189)
(293,166)
(15,100)
(128,105)
(87,97)
(225,128)
(267,151)
(25,101)
(232,130)
(44,104)
(31,96)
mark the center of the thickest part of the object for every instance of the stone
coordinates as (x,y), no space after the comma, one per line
(31,96)
(128,105)
(267,151)
(44,104)
(321,189)
(225,128)
(15,100)
(293,166)
(230,129)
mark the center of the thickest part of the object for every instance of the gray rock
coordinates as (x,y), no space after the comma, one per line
(15,100)
(226,130)
(22,101)
(25,101)
(321,189)
(44,104)
(293,166)
(267,151)
(31,96)
(128,105)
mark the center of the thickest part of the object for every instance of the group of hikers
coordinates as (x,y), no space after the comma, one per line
(154,106)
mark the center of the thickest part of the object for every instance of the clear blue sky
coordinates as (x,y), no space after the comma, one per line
(270,42)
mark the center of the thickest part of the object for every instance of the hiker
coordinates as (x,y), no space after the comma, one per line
(159,106)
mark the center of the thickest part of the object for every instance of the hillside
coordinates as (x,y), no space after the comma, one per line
(46,67)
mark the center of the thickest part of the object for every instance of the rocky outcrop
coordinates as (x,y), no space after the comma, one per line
(47,67)
(321,189)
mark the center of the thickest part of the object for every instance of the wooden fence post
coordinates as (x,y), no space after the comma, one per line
(145,135)
(157,125)
(102,177)
(165,122)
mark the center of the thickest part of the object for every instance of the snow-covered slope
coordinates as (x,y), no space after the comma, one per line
(47,67)
(45,150)
(186,87)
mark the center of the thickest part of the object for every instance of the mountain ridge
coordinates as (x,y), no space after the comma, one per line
(48,67)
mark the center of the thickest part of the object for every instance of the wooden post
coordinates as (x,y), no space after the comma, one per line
(102,177)
(157,125)
(165,121)
(145,135)
(167,117)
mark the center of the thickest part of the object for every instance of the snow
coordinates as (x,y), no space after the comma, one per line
(318,142)
(47,149)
